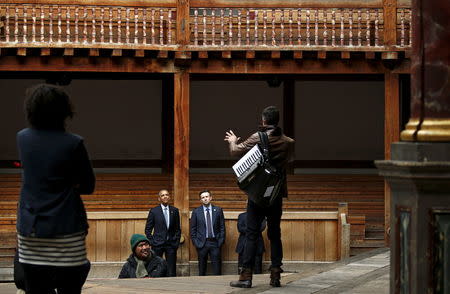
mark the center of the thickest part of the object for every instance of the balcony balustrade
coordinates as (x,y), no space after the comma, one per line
(212,25)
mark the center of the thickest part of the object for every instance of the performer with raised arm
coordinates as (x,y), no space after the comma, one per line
(281,152)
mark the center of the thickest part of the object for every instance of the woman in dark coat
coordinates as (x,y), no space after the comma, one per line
(51,219)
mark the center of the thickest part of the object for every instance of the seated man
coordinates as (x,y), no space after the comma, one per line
(143,262)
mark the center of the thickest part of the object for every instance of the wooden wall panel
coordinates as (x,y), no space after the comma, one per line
(303,237)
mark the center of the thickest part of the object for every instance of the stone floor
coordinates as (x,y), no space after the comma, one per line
(365,273)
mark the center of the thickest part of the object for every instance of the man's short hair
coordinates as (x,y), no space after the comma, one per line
(47,107)
(204,191)
(271,115)
(159,193)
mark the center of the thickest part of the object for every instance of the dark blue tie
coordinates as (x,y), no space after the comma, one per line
(209,233)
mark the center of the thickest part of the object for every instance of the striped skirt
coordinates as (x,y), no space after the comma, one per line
(66,250)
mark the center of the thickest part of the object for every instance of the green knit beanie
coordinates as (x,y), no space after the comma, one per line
(136,239)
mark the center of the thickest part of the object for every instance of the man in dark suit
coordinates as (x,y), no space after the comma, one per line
(163,231)
(208,233)
(240,246)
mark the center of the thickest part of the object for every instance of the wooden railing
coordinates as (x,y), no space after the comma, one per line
(207,25)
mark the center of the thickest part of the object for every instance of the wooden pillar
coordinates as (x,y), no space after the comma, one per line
(183,29)
(391,134)
(181,163)
(390,22)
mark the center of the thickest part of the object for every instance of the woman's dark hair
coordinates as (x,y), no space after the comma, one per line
(271,115)
(47,107)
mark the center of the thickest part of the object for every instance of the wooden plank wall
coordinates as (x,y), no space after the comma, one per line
(118,192)
(306,236)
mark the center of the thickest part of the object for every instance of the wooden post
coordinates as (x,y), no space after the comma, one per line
(183,26)
(342,209)
(390,22)
(391,134)
(181,163)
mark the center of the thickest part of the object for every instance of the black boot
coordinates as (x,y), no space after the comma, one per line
(245,279)
(275,276)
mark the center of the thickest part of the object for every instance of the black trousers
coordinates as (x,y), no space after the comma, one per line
(213,250)
(171,258)
(255,216)
(41,279)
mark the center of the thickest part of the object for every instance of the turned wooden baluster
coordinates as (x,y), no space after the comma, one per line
(204,27)
(152,30)
(33,25)
(50,16)
(102,25)
(350,28)
(76,25)
(247,34)
(359,28)
(410,27)
(94,33)
(316,27)
(377,20)
(291,34)
(119,25)
(196,27)
(256,27)
(264,27)
(325,29)
(342,29)
(68,25)
(136,25)
(222,39)
(169,29)
(59,24)
(16,25)
(85,25)
(127,25)
(110,25)
(25,27)
(308,33)
(368,27)
(161,27)
(333,28)
(273,28)
(299,26)
(282,26)
(213,24)
(7,25)
(230,21)
(144,26)
(239,26)
(402,28)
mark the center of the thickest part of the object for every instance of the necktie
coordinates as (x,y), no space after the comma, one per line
(209,233)
(166,216)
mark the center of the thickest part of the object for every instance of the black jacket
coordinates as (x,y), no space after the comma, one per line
(156,228)
(156,267)
(242,227)
(198,226)
(56,170)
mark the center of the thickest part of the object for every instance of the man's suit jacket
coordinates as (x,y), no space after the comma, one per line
(156,228)
(242,228)
(198,226)
(56,170)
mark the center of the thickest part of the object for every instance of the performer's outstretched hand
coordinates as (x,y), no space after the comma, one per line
(231,137)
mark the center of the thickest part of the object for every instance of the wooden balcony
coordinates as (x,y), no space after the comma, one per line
(200,26)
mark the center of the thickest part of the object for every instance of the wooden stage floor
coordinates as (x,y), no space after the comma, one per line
(363,274)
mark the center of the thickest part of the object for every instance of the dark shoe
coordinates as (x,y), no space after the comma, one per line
(275,276)
(245,279)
